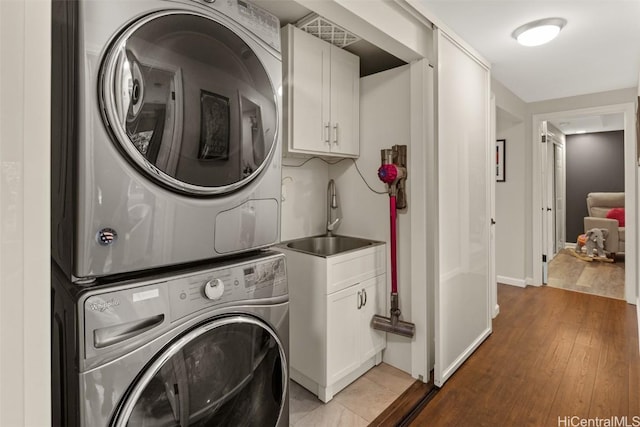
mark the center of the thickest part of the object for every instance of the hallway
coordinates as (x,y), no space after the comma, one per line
(553,353)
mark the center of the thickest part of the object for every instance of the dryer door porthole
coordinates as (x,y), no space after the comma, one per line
(231,371)
(189,102)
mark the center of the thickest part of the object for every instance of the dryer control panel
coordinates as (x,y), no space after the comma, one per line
(247,282)
(252,17)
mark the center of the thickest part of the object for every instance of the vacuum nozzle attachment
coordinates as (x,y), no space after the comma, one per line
(393,324)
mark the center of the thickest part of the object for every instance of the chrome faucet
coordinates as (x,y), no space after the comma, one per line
(332,204)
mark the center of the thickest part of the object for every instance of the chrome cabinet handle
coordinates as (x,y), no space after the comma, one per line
(364,292)
(359,300)
(326,133)
(335,133)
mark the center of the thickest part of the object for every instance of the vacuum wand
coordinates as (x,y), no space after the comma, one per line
(392,175)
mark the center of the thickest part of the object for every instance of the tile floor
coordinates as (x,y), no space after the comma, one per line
(357,405)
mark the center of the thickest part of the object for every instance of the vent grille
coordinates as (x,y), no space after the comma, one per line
(327,31)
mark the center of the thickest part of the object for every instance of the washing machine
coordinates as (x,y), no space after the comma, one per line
(165,133)
(192,348)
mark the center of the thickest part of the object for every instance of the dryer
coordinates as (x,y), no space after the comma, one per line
(166,133)
(187,348)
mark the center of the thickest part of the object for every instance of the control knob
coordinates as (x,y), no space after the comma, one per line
(214,289)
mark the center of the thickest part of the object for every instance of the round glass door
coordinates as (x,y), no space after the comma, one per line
(230,372)
(189,102)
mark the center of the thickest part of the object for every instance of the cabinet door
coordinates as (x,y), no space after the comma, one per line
(372,340)
(310,93)
(345,102)
(343,320)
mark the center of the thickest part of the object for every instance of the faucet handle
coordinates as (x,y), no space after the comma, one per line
(332,225)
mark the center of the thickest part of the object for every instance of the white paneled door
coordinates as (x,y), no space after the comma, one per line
(462,314)
(556,189)
(552,145)
(559,196)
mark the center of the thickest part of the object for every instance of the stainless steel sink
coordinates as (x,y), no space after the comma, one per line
(329,245)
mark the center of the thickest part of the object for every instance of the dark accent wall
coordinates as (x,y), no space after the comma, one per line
(595,162)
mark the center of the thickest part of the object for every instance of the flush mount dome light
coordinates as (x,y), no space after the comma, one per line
(539,32)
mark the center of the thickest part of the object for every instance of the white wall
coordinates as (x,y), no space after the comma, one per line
(384,122)
(513,218)
(516,109)
(638,206)
(511,211)
(510,205)
(583,101)
(304,190)
(24,213)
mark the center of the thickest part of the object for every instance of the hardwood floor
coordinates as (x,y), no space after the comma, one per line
(598,278)
(553,353)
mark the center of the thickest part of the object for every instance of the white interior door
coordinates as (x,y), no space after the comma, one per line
(560,185)
(493,301)
(544,202)
(462,313)
(550,197)
(554,189)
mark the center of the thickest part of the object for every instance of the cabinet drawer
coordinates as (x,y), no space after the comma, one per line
(346,270)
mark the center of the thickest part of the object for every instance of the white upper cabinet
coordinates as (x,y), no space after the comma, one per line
(345,102)
(321,98)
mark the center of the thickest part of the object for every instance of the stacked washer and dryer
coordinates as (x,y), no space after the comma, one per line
(168,308)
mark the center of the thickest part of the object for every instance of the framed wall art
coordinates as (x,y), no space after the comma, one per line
(214,127)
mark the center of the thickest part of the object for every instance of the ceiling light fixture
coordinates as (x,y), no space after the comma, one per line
(539,32)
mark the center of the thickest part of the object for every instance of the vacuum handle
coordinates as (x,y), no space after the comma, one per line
(394,272)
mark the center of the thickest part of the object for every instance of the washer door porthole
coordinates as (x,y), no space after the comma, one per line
(189,102)
(231,371)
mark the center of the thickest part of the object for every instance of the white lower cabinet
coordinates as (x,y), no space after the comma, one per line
(331,303)
(350,339)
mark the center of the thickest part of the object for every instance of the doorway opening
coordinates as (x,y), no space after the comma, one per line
(543,219)
(584,163)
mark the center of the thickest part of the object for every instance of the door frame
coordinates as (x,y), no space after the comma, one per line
(631,188)
(552,187)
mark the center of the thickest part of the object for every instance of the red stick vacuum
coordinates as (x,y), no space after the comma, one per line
(394,175)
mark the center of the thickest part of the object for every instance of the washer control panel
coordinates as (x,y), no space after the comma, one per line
(214,289)
(248,282)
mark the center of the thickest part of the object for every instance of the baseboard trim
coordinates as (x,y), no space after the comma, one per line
(496,311)
(528,281)
(521,283)
(569,245)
